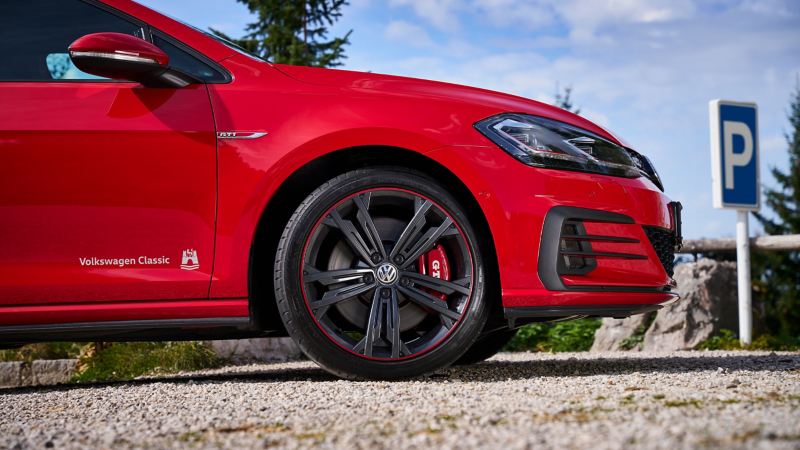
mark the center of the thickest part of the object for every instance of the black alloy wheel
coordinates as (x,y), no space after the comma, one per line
(378,275)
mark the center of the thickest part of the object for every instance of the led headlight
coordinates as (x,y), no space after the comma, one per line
(541,142)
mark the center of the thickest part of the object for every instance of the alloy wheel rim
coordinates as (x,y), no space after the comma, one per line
(361,279)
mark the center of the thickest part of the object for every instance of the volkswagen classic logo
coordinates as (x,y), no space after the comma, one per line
(386,273)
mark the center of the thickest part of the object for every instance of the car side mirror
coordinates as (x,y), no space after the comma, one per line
(124,57)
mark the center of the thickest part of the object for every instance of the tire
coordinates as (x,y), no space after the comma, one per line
(363,310)
(486,347)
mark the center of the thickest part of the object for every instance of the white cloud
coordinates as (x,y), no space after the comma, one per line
(586,17)
(770,7)
(440,13)
(514,12)
(773,144)
(408,33)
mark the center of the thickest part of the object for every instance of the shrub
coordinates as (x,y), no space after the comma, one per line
(727,340)
(567,336)
(125,361)
(47,350)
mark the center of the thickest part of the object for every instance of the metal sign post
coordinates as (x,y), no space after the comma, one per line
(735,185)
(743,277)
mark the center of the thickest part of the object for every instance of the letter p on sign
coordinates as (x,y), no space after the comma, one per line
(734,155)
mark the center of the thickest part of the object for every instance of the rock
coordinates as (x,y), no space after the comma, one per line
(53,371)
(37,373)
(242,351)
(11,374)
(707,305)
(614,332)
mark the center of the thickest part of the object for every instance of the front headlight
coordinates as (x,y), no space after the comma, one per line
(541,142)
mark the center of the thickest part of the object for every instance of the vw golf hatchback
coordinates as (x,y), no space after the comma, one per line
(156,182)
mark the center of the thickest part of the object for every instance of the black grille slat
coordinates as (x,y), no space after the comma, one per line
(599,238)
(570,261)
(593,254)
(664,242)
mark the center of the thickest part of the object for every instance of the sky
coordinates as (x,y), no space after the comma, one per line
(645,69)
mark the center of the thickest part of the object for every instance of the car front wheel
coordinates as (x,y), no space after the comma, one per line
(378,274)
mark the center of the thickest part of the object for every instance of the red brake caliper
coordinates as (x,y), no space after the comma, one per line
(434,264)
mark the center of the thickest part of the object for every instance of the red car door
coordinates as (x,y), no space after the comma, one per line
(107,189)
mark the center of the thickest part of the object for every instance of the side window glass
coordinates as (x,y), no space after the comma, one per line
(61,68)
(35,36)
(186,63)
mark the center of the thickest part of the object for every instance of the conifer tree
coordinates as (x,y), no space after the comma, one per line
(294,32)
(564,101)
(777,275)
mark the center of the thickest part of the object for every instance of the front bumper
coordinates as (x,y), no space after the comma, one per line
(569,241)
(577,245)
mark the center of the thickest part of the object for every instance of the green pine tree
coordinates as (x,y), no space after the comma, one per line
(776,275)
(564,101)
(294,32)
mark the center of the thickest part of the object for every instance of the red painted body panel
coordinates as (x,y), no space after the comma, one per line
(104,170)
(117,170)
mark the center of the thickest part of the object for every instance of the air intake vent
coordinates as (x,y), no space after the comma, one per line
(576,256)
(664,243)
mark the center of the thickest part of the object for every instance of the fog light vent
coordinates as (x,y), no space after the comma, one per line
(573,244)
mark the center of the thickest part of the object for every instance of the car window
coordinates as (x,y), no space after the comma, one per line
(35,36)
(181,60)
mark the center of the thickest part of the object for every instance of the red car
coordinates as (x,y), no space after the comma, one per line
(157,182)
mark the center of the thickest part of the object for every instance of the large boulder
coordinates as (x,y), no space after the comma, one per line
(243,351)
(707,305)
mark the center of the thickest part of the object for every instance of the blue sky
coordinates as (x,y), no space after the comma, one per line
(645,69)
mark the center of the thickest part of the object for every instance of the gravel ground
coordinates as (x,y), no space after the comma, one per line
(524,400)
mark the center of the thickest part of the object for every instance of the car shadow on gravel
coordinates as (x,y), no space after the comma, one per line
(489,371)
(571,367)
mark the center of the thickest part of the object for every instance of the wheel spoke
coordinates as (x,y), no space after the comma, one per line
(437,284)
(412,230)
(373,323)
(352,236)
(365,220)
(428,301)
(392,311)
(383,324)
(337,295)
(425,243)
(329,277)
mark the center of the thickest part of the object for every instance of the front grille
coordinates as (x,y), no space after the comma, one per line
(664,243)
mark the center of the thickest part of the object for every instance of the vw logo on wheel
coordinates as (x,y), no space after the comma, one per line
(386,274)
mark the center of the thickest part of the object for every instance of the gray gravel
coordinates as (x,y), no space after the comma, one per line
(678,400)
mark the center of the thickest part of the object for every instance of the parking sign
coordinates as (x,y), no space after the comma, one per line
(734,155)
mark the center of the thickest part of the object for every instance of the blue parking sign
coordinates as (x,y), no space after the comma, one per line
(734,155)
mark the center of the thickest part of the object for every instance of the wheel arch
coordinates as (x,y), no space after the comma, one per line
(303,181)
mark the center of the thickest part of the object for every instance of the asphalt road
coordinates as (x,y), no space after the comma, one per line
(514,401)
